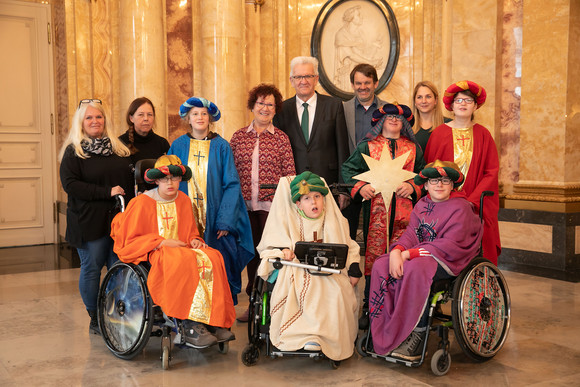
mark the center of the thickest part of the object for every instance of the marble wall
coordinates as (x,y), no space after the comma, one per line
(525,54)
(541,117)
(116,51)
(172,49)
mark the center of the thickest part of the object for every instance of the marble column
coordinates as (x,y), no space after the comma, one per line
(549,108)
(222,62)
(254,69)
(180,56)
(540,221)
(142,57)
(508,93)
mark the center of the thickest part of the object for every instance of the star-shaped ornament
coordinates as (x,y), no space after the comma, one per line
(386,174)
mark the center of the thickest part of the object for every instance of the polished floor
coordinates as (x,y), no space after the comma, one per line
(45,341)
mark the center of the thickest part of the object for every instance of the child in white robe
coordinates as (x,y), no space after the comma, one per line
(309,312)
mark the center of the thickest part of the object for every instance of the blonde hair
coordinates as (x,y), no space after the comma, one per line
(76,134)
(437,114)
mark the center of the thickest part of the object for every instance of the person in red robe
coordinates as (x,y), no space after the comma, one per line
(187,278)
(383,224)
(473,149)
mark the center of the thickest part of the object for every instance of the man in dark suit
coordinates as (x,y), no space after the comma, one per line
(315,125)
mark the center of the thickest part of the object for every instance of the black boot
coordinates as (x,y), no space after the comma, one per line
(94,324)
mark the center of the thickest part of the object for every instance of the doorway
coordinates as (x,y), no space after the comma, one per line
(27,141)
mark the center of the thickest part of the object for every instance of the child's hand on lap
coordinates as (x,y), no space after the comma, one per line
(172,243)
(197,244)
(288,254)
(396,264)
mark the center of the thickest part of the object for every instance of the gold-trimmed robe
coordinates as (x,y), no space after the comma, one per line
(186,283)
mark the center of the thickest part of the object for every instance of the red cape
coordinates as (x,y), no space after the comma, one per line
(482,176)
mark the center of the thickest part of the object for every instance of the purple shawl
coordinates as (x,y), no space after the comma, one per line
(451,232)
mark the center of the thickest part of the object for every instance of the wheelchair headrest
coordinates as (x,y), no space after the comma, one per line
(141,167)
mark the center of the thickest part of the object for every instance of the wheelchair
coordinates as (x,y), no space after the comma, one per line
(126,313)
(259,317)
(480,315)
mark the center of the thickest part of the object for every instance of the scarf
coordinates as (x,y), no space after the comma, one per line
(98,146)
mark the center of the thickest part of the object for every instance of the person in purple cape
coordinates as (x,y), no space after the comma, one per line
(443,236)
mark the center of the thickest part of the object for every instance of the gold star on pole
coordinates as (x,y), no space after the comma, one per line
(386,174)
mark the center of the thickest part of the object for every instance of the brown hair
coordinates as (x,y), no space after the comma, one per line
(264,90)
(365,69)
(136,104)
(470,94)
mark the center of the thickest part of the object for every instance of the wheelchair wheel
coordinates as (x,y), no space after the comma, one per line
(255,311)
(250,355)
(481,310)
(253,308)
(125,310)
(223,347)
(440,362)
(165,358)
(361,345)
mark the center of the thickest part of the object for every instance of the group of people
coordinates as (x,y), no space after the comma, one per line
(204,215)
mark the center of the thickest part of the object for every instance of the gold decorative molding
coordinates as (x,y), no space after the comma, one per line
(546,191)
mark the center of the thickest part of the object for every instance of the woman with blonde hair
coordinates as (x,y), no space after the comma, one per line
(427,111)
(95,167)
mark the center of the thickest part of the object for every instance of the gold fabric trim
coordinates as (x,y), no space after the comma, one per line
(463,148)
(167,220)
(197,185)
(201,304)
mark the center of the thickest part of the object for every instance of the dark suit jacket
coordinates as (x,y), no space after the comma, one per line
(328,145)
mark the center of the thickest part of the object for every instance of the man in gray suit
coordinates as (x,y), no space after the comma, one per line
(358,112)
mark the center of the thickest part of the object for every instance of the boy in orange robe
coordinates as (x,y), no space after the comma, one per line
(187,279)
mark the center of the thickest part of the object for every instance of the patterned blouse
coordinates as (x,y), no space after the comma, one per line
(274,157)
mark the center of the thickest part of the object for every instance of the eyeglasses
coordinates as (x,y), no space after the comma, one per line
(168,179)
(303,77)
(394,117)
(468,101)
(444,180)
(89,101)
(262,104)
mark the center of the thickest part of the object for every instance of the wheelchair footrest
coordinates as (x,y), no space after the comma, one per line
(300,353)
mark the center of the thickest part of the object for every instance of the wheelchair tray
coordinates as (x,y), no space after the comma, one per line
(329,255)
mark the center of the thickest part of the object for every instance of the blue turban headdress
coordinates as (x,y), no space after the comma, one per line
(199,102)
